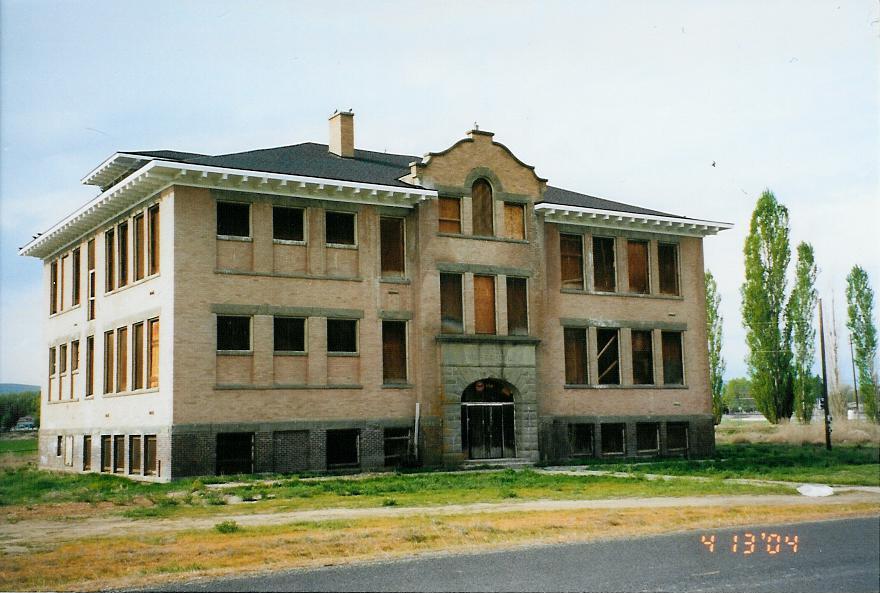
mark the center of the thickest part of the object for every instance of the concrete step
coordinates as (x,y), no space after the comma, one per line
(506,462)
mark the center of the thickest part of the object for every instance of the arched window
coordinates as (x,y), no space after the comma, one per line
(481,198)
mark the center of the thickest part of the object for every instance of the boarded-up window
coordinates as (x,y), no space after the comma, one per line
(340,228)
(397,443)
(140,252)
(76,281)
(87,453)
(106,453)
(614,439)
(287,224)
(233,333)
(90,366)
(153,354)
(342,335)
(571,251)
(676,437)
(343,448)
(481,198)
(90,260)
(151,460)
(68,450)
(53,287)
(392,248)
(608,355)
(580,439)
(642,358)
(289,334)
(134,454)
(484,304)
(119,454)
(139,350)
(517,307)
(122,246)
(647,437)
(451,310)
(233,219)
(153,215)
(108,362)
(514,221)
(122,359)
(637,252)
(235,453)
(394,352)
(109,260)
(603,264)
(575,355)
(667,256)
(673,368)
(449,215)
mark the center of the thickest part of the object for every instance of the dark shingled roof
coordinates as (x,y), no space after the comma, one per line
(564,197)
(310,159)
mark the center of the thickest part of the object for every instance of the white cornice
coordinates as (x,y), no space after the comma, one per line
(594,217)
(157,175)
(114,166)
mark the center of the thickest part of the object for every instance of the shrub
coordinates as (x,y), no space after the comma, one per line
(227,527)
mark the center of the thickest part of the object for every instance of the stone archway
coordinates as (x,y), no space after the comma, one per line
(487,420)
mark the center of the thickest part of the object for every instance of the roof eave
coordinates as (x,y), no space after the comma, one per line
(669,225)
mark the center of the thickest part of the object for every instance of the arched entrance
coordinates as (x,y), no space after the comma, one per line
(487,425)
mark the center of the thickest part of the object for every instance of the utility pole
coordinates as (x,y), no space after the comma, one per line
(855,379)
(824,380)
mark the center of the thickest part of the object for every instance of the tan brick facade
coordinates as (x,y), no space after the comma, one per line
(295,408)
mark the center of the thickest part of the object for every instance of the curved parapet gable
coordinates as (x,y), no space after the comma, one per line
(477,155)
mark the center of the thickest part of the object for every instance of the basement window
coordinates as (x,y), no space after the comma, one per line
(135,454)
(233,333)
(233,219)
(571,253)
(517,307)
(449,215)
(87,453)
(609,356)
(614,439)
(342,336)
(677,437)
(393,352)
(59,445)
(580,439)
(637,258)
(235,453)
(667,256)
(603,264)
(451,308)
(151,461)
(673,367)
(106,459)
(642,358)
(575,355)
(288,224)
(343,448)
(340,228)
(397,442)
(647,437)
(119,454)
(392,237)
(290,334)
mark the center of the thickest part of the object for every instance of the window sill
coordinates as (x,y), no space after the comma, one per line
(129,393)
(63,311)
(235,352)
(131,284)
(483,238)
(394,280)
(282,387)
(595,386)
(63,401)
(397,386)
(235,238)
(343,354)
(486,338)
(340,246)
(665,297)
(290,353)
(288,242)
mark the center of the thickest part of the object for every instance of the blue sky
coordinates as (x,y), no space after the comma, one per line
(630,101)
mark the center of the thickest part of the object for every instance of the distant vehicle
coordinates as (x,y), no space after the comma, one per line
(25,423)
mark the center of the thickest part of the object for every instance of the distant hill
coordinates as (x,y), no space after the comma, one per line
(17,387)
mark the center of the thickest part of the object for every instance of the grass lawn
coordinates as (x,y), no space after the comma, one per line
(21,446)
(855,465)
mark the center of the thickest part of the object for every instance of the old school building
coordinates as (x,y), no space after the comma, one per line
(314,307)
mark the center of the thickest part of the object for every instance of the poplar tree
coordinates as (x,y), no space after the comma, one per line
(801,310)
(767,254)
(714,322)
(860,307)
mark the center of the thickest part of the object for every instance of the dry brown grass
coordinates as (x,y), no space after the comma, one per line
(845,432)
(141,560)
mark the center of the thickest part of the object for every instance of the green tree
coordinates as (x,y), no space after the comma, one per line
(714,329)
(801,309)
(860,307)
(737,395)
(767,254)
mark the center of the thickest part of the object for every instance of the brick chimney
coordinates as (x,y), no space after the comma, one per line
(342,133)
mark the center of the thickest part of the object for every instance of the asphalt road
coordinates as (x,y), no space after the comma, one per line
(839,555)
